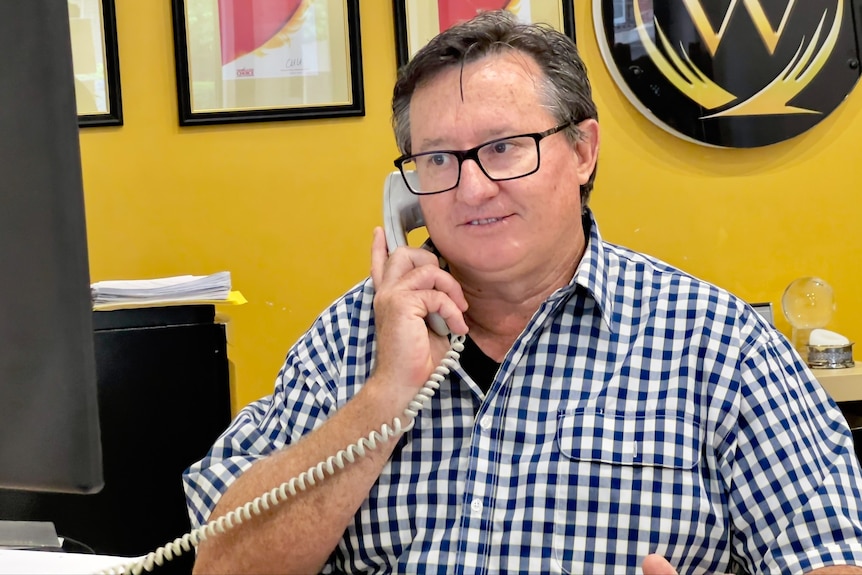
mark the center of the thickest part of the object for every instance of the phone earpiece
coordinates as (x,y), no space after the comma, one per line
(401,215)
(401,211)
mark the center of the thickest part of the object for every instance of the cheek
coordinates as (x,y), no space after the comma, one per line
(433,210)
(562,190)
(569,183)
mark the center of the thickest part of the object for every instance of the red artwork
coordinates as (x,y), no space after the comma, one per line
(246,25)
(453,11)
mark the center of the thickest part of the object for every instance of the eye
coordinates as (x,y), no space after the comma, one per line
(435,160)
(501,147)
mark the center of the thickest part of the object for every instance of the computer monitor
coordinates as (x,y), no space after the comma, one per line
(49,426)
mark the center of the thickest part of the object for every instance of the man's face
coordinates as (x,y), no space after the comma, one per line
(507,230)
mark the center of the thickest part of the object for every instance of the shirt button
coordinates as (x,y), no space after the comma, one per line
(485,423)
(476,506)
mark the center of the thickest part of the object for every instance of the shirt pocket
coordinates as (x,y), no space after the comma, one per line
(658,440)
(615,472)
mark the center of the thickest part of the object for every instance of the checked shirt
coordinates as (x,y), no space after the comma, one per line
(641,410)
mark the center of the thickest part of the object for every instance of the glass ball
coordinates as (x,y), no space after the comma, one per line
(808,303)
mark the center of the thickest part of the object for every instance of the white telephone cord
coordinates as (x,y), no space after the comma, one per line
(302,481)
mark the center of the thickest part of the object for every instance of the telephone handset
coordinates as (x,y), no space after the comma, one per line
(401,215)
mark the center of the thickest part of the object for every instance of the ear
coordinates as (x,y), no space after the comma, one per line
(587,149)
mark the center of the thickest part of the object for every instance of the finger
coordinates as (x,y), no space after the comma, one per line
(424,291)
(431,277)
(437,302)
(655,564)
(405,259)
(379,255)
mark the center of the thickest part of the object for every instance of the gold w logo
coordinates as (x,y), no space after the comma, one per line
(755,10)
(773,98)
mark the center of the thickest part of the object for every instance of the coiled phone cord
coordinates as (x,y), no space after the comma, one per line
(301,482)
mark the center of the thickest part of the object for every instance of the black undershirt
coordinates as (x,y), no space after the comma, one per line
(478,365)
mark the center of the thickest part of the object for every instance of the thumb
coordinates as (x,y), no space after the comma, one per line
(654,564)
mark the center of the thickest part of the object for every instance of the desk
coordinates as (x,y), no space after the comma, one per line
(843,384)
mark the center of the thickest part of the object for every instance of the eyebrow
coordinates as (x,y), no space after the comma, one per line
(436,144)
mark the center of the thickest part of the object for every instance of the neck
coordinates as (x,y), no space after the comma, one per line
(500,310)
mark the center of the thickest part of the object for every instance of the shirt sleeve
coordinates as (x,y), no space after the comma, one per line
(794,479)
(309,388)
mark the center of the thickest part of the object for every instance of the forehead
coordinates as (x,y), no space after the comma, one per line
(493,94)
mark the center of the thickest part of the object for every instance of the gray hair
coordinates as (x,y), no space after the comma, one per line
(565,88)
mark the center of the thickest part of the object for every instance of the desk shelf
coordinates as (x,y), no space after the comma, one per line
(844,384)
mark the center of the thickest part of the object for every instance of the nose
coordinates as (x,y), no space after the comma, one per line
(474,186)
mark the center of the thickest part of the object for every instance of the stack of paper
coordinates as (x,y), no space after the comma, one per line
(213,288)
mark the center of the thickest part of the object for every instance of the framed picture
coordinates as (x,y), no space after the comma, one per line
(96,62)
(264,60)
(417,21)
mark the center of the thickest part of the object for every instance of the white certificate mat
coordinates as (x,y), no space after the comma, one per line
(15,562)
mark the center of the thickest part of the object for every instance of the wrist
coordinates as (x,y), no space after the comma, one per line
(384,401)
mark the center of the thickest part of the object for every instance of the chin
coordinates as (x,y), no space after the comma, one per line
(485,263)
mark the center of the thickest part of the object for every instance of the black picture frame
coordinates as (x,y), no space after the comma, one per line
(857,27)
(111,66)
(765,311)
(402,40)
(191,115)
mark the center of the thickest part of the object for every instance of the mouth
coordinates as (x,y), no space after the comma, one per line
(485,221)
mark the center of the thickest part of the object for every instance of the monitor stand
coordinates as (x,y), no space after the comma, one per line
(36,535)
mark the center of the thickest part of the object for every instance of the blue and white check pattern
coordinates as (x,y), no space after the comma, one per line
(641,410)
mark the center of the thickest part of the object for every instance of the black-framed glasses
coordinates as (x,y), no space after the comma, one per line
(502,159)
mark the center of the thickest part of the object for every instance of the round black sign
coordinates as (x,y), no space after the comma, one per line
(731,73)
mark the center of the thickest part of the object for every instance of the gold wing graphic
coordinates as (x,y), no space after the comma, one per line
(685,76)
(772,99)
(799,72)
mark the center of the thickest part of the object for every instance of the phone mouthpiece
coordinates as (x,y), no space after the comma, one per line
(437,324)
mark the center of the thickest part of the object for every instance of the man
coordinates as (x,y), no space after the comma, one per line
(610,413)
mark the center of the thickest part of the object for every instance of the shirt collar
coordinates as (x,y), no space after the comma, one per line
(594,270)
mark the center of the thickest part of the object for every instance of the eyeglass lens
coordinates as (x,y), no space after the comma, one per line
(500,160)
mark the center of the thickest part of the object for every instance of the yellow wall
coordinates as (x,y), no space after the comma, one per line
(288,207)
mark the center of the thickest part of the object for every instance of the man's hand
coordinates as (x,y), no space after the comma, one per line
(408,286)
(657,565)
